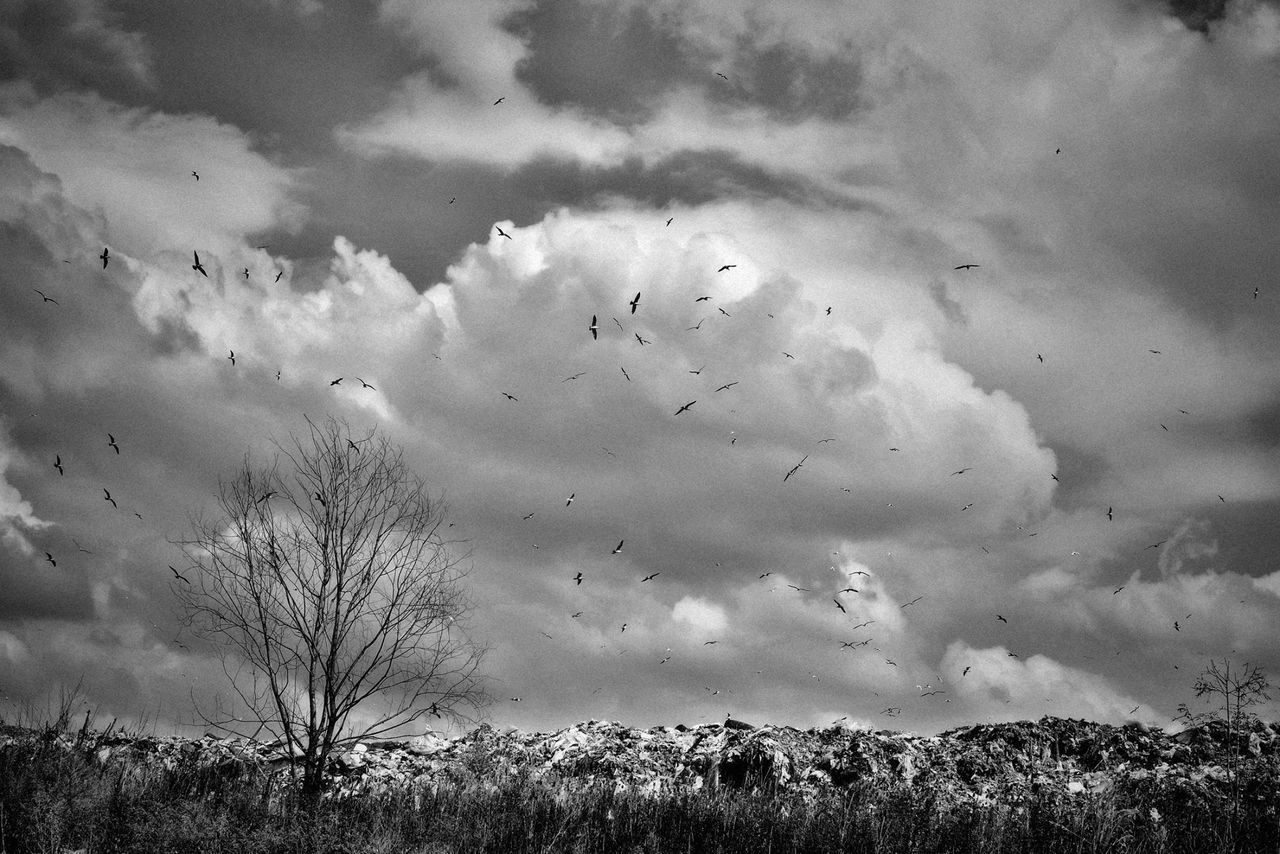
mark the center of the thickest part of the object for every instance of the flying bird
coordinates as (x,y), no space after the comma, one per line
(615,320)
(279,273)
(669,221)
(338,381)
(912,602)
(1157,352)
(1176,627)
(967,266)
(966,670)
(353,446)
(1041,358)
(726,267)
(894,663)
(527,518)
(650,577)
(686,406)
(1002,619)
(502,233)
(575,616)
(718,74)
(578,580)
(104,256)
(1117,590)
(1255,293)
(841,607)
(800,589)
(500,100)
(765,574)
(111,443)
(727,386)
(696,327)
(107,497)
(642,340)
(627,375)
(828,311)
(246,272)
(178,576)
(722,311)
(57,463)
(795,468)
(365,384)
(635,302)
(788,355)
(618,548)
(197,266)
(594,329)
(822,441)
(698,371)
(45,298)
(49,558)
(232,357)
(862,625)
(1109,516)
(702,299)
(266,497)
(510,397)
(195,174)
(320,498)
(1157,545)
(710,643)
(624,628)
(962,471)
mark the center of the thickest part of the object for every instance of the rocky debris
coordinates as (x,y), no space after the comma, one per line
(981,762)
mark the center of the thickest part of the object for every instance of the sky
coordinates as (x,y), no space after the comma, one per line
(437,196)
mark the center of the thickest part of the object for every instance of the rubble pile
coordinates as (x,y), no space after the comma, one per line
(982,762)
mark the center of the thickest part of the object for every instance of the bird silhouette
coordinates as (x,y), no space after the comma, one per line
(788,355)
(594,329)
(627,375)
(232,357)
(195,174)
(527,518)
(500,100)
(669,221)
(578,580)
(279,273)
(635,302)
(265,497)
(575,616)
(353,446)
(1041,358)
(702,299)
(962,471)
(722,311)
(1110,518)
(1157,545)
(107,497)
(967,266)
(57,463)
(502,233)
(1117,590)
(726,267)
(841,607)
(795,468)
(197,266)
(178,576)
(642,340)
(800,589)
(510,397)
(686,406)
(1002,619)
(45,298)
(718,74)
(366,385)
(49,558)
(1176,627)
(966,670)
(696,326)
(104,256)
(828,311)
(246,273)
(320,499)
(111,443)
(570,499)
(338,381)
(697,371)
(912,602)
(618,548)
(650,577)
(727,386)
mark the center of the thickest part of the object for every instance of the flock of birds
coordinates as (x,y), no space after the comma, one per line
(594,330)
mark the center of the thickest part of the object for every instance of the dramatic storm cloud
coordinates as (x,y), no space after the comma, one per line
(952,384)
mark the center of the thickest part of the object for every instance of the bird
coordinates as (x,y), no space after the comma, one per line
(195,174)
(696,327)
(618,548)
(104,256)
(1223,500)
(111,443)
(702,299)
(1135,708)
(722,311)
(575,616)
(718,74)
(500,100)
(246,272)
(1157,352)
(1255,293)
(527,518)
(578,580)
(1041,358)
(366,385)
(1014,655)
(795,468)
(1176,627)
(726,267)
(615,320)
(570,499)
(967,266)
(49,558)
(686,406)
(232,357)
(912,602)
(57,463)
(178,576)
(510,397)
(1109,516)
(627,375)
(502,233)
(800,589)
(962,471)
(822,441)
(710,643)
(888,661)
(828,311)
(765,574)
(1117,590)
(966,670)
(697,371)
(1157,545)
(338,381)
(320,498)
(841,607)
(1054,476)
(862,625)
(635,302)
(279,273)
(642,340)
(669,221)
(594,329)
(1002,619)
(624,628)
(353,446)
(107,497)
(45,298)
(197,266)
(931,693)
(265,497)
(727,386)
(80,547)
(650,577)
(849,590)
(788,355)
(967,506)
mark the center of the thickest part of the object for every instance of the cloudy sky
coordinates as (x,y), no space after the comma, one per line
(1109,167)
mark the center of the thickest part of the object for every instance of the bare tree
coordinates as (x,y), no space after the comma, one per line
(1237,690)
(334,596)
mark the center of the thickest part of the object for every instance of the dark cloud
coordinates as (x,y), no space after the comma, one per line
(617,61)
(1198,14)
(952,310)
(59,44)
